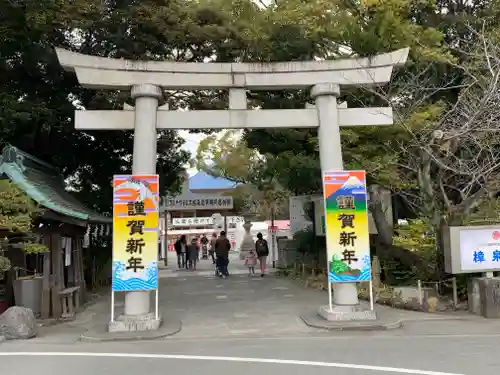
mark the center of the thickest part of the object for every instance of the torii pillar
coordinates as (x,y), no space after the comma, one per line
(147,80)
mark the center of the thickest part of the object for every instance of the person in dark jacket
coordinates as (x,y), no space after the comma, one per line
(262,250)
(180,247)
(211,252)
(193,250)
(204,246)
(222,247)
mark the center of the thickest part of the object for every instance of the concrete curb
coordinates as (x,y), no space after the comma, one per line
(352,325)
(165,330)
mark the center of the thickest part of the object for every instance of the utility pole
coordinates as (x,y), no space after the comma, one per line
(273,233)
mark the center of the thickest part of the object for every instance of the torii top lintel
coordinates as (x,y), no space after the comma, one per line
(106,73)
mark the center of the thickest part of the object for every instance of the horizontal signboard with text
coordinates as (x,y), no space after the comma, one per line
(213,202)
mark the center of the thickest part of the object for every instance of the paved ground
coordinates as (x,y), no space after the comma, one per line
(209,307)
(430,355)
(204,267)
(247,325)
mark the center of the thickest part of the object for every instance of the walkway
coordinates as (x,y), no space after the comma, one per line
(240,305)
(251,324)
(204,267)
(243,306)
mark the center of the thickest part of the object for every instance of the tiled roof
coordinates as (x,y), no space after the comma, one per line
(44,184)
(203,181)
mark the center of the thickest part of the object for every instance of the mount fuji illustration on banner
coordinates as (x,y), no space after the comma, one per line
(346,219)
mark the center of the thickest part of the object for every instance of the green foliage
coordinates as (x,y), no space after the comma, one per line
(342,29)
(306,242)
(487,213)
(97,262)
(417,236)
(261,201)
(41,123)
(4,265)
(259,192)
(226,155)
(16,208)
(17,211)
(37,98)
(34,248)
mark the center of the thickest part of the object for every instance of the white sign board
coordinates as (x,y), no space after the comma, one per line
(203,221)
(473,249)
(319,215)
(214,202)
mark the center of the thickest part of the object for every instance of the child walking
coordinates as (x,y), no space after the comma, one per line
(251,262)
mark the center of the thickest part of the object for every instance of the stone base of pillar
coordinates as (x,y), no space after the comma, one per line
(135,323)
(489,291)
(474,296)
(345,306)
(346,313)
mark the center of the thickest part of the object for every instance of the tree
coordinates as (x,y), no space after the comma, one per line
(17,212)
(37,99)
(451,149)
(351,29)
(226,155)
(259,192)
(221,30)
(363,29)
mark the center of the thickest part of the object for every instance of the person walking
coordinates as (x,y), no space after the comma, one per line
(211,251)
(180,247)
(251,262)
(262,250)
(204,246)
(222,247)
(193,253)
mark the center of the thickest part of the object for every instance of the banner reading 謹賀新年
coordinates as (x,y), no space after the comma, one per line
(135,232)
(346,226)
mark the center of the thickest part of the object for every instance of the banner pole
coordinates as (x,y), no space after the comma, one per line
(156,305)
(112,306)
(330,304)
(371,295)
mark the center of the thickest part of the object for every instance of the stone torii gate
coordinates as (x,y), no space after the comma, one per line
(148,79)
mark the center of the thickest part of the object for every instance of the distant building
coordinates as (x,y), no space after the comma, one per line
(202,182)
(192,211)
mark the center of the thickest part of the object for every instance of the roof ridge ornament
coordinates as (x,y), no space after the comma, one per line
(11,154)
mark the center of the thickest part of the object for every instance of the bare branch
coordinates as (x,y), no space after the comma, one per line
(449,132)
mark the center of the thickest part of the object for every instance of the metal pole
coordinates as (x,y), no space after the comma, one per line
(163,252)
(455,292)
(419,289)
(371,295)
(330,303)
(112,306)
(273,235)
(157,304)
(162,239)
(167,220)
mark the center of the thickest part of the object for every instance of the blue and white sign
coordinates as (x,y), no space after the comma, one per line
(480,250)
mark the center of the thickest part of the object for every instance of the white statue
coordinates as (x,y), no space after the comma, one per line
(247,243)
